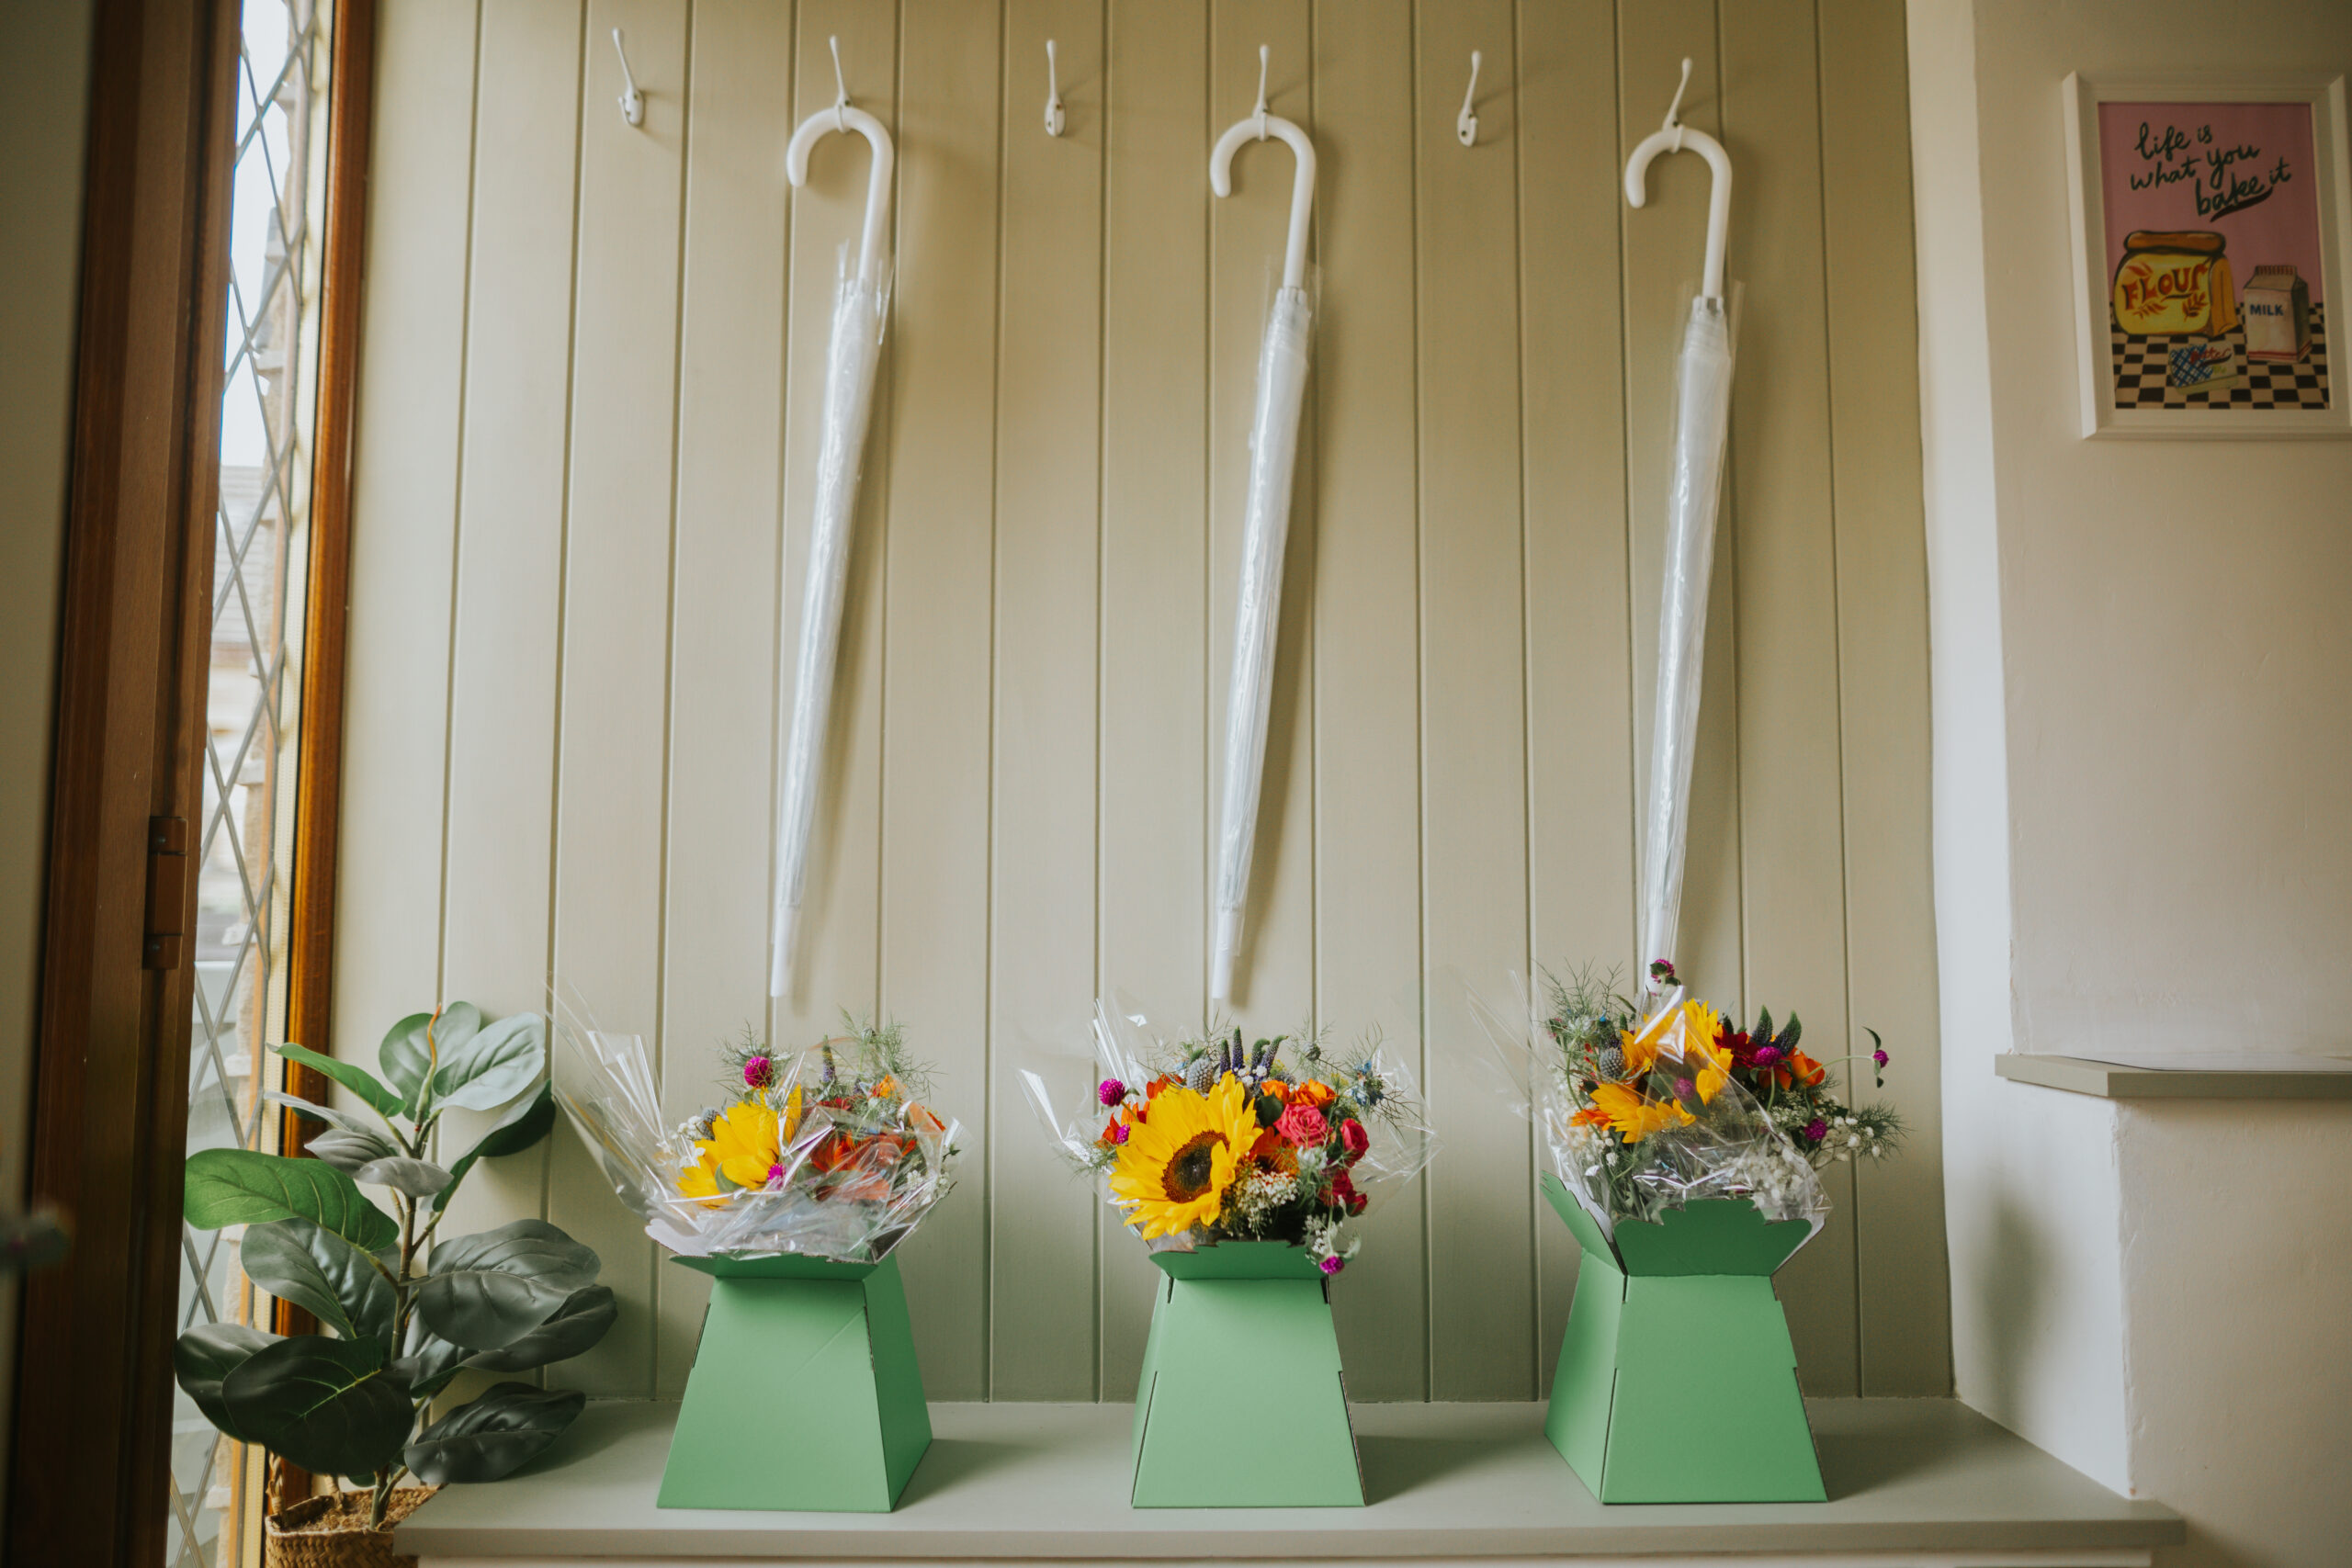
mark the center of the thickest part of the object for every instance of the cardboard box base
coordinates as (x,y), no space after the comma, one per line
(1677,1381)
(1241,1404)
(805,1393)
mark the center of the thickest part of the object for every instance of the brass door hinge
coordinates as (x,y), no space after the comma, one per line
(168,872)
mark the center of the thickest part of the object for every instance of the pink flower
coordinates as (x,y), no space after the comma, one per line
(759,1072)
(1303,1126)
(1353,1136)
(1766,1056)
(1332,1265)
(1879,1056)
(1815,1130)
(775,1173)
(1111,1092)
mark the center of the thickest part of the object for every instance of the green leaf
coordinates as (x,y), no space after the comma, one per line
(1791,1033)
(315,1269)
(574,1327)
(327,1405)
(525,1123)
(1762,1033)
(348,1151)
(417,1178)
(227,1187)
(487,1290)
(495,1435)
(310,1109)
(430,1363)
(415,1047)
(494,1066)
(209,1352)
(350,1075)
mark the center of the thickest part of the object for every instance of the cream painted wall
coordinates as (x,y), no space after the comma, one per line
(41,124)
(588,398)
(2138,828)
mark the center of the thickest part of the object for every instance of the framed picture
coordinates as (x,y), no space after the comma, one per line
(2210,245)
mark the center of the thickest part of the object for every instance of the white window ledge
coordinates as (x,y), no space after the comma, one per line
(2209,1075)
(1923,1483)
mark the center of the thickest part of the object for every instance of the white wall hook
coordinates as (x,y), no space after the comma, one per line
(844,117)
(632,101)
(1258,126)
(1054,118)
(1672,136)
(1466,124)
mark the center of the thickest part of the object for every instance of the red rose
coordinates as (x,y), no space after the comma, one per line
(1354,1137)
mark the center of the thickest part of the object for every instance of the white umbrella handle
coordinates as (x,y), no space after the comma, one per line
(1674,137)
(845,118)
(1257,127)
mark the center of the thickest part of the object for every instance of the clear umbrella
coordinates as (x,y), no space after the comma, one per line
(861,304)
(1273,455)
(1701,425)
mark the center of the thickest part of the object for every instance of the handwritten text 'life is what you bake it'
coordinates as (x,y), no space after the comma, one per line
(2226,178)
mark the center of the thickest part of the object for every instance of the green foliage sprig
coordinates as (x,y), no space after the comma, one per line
(405,1312)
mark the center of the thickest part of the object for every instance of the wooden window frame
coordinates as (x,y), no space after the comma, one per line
(92,1418)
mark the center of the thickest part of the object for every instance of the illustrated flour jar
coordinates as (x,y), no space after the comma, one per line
(2171,284)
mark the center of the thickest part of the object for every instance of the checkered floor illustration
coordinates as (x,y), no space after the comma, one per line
(2142,363)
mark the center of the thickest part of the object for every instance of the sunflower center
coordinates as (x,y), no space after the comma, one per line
(1186,1176)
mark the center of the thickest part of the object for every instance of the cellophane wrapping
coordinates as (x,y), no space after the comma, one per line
(827,1154)
(1290,1140)
(1640,1111)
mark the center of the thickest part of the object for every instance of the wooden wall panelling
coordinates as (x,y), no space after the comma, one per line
(1366,625)
(405,498)
(1043,1317)
(1580,818)
(937,474)
(836,963)
(724,578)
(1156,749)
(612,718)
(1473,702)
(501,831)
(1665,246)
(1273,974)
(1905,1328)
(1792,880)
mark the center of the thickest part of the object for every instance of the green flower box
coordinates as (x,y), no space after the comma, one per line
(1242,1404)
(1677,1383)
(805,1393)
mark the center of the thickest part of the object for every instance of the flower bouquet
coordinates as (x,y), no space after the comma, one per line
(792,1195)
(1686,1152)
(1239,1165)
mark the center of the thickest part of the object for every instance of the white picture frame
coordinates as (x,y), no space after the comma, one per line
(2095,346)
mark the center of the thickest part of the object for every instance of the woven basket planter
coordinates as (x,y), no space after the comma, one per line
(331,1531)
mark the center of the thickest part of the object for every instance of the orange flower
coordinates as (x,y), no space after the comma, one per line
(1151,1090)
(920,1116)
(1590,1116)
(1801,1068)
(887,1087)
(1314,1092)
(1278,1089)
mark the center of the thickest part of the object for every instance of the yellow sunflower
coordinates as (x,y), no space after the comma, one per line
(1633,1115)
(1175,1168)
(1700,1023)
(742,1146)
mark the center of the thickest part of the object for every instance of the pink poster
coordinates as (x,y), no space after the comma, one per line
(2216,294)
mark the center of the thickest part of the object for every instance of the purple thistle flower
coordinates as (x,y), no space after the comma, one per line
(1111,1092)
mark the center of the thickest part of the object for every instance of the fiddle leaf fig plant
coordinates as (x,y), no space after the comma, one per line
(402,1309)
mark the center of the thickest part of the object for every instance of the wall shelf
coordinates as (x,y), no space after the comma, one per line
(2327,1078)
(1911,1482)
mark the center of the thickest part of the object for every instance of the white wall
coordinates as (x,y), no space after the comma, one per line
(40,252)
(2140,835)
